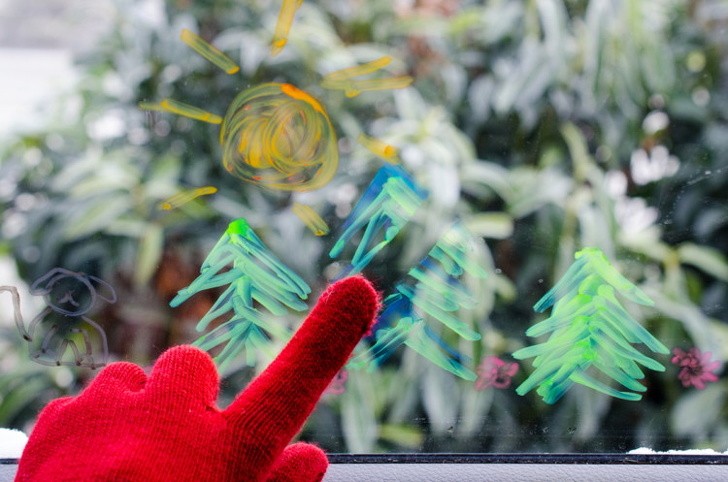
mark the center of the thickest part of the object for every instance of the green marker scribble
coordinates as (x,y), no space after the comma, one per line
(257,279)
(239,227)
(591,333)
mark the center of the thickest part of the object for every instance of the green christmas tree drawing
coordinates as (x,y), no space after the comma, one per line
(257,280)
(591,334)
(430,295)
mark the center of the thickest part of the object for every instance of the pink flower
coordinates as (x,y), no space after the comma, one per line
(696,369)
(496,373)
(338,384)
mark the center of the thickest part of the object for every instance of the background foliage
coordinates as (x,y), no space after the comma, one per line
(545,125)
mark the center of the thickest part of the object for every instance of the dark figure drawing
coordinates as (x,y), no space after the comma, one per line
(62,334)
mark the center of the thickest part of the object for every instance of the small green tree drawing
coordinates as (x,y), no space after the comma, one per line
(431,294)
(256,279)
(590,332)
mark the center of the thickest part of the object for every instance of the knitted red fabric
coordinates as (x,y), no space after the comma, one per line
(126,426)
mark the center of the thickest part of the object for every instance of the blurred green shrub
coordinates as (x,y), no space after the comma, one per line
(545,125)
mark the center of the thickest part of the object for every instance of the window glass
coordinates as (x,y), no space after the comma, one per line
(538,189)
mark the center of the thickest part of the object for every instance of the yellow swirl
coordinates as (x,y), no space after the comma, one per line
(280,137)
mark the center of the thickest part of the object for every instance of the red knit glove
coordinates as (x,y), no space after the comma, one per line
(126,426)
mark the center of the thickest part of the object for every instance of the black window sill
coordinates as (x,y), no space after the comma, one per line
(510,467)
(530,458)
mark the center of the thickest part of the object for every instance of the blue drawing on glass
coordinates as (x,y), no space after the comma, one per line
(431,295)
(388,203)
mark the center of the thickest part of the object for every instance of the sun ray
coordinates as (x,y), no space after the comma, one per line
(180,108)
(345,79)
(354,87)
(358,70)
(209,51)
(311,219)
(379,148)
(283,25)
(184,197)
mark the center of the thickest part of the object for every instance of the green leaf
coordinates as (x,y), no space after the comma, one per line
(73,173)
(106,178)
(577,149)
(21,396)
(404,390)
(489,174)
(440,397)
(705,258)
(701,329)
(490,225)
(95,215)
(591,407)
(695,414)
(150,252)
(402,435)
(533,189)
(133,228)
(359,424)
(475,408)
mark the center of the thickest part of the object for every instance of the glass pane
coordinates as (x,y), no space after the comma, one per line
(538,189)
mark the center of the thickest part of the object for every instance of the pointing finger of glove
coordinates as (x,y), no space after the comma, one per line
(276,404)
(300,462)
(184,375)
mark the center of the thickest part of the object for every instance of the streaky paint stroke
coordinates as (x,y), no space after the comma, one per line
(311,219)
(257,281)
(280,137)
(426,302)
(346,79)
(591,334)
(283,25)
(387,204)
(186,196)
(209,52)
(379,148)
(180,108)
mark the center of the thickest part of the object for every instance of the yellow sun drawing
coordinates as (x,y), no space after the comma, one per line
(276,135)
